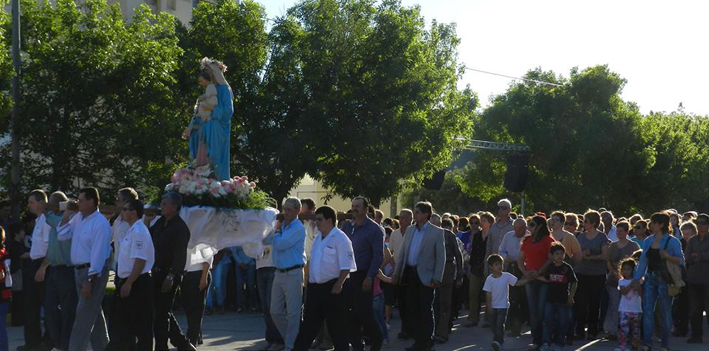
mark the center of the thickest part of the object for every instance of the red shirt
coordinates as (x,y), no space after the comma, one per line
(536,254)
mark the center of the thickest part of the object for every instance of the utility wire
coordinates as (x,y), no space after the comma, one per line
(516,78)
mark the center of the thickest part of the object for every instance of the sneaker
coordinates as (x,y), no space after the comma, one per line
(532,347)
(278,347)
(546,347)
(496,346)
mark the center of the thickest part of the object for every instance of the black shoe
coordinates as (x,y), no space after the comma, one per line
(403,336)
(188,347)
(569,340)
(679,332)
(694,340)
(412,348)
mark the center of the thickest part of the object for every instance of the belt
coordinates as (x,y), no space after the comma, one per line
(289,268)
(120,280)
(82,266)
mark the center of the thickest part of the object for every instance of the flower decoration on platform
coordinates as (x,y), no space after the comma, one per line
(198,187)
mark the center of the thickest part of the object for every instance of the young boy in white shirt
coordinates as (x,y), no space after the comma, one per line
(497,292)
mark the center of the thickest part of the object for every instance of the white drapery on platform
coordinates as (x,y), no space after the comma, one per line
(212,229)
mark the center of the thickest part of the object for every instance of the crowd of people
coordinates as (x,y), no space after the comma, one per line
(328,283)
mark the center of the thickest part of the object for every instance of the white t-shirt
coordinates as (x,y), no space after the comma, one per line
(198,255)
(40,238)
(266,259)
(630,302)
(329,256)
(500,289)
(137,243)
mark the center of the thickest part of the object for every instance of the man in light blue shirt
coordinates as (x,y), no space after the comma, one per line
(412,260)
(289,258)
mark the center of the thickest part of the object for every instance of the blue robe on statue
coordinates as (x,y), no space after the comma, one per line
(216,133)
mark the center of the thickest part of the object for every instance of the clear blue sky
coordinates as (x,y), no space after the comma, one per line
(660,47)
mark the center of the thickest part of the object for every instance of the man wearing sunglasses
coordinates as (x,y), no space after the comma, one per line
(132,327)
(502,226)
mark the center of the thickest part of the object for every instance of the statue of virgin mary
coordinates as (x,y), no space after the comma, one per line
(212,137)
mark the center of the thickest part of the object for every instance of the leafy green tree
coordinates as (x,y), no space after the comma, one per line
(277,145)
(587,143)
(678,176)
(6,70)
(98,101)
(382,94)
(450,198)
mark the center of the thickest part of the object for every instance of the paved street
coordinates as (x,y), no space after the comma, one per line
(233,331)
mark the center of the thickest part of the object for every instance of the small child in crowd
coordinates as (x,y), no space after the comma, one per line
(497,293)
(629,307)
(560,298)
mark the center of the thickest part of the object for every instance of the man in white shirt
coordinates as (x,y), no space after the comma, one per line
(132,322)
(396,240)
(34,290)
(90,235)
(120,227)
(331,261)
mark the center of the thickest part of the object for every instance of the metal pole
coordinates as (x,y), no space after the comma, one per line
(15,173)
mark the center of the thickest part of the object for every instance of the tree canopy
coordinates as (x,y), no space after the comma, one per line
(589,147)
(97,104)
(382,94)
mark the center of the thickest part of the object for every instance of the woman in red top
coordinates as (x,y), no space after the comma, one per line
(533,257)
(5,292)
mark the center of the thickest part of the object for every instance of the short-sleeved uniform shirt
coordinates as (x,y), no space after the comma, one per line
(559,279)
(329,256)
(136,244)
(500,289)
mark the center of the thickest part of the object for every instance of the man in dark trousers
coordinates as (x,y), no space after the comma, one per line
(368,243)
(133,319)
(34,289)
(330,263)
(420,263)
(170,237)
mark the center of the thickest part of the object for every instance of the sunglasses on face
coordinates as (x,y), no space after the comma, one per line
(503,208)
(474,223)
(637,227)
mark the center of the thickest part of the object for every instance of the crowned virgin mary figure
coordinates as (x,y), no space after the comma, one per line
(210,142)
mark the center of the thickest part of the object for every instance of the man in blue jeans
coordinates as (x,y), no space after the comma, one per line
(245,270)
(222,260)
